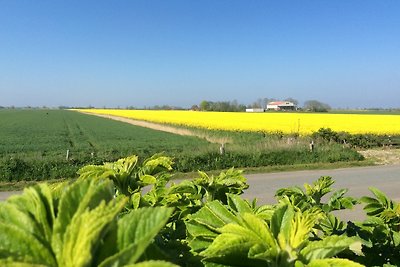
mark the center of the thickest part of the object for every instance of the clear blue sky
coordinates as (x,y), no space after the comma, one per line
(120,53)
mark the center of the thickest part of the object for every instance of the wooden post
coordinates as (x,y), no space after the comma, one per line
(222,149)
(67,156)
(312,145)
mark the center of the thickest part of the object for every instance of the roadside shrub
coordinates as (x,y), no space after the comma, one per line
(353,140)
(215,161)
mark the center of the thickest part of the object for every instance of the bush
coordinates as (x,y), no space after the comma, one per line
(215,161)
(354,140)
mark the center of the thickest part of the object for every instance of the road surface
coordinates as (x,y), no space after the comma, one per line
(357,180)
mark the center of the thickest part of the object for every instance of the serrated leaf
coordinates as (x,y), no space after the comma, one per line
(215,215)
(148,179)
(37,202)
(21,246)
(230,249)
(281,221)
(81,196)
(241,242)
(136,230)
(10,214)
(135,200)
(368,200)
(157,163)
(382,197)
(202,226)
(10,263)
(326,248)
(238,204)
(330,224)
(85,231)
(334,263)
(152,264)
(264,212)
(94,171)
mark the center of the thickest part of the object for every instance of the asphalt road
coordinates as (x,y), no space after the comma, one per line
(357,180)
(386,178)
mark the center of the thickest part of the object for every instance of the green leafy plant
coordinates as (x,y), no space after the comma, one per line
(127,174)
(313,196)
(216,187)
(76,225)
(223,238)
(380,231)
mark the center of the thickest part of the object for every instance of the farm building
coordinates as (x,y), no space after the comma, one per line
(281,105)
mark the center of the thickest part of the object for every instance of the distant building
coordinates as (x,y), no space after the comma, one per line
(281,105)
(254,110)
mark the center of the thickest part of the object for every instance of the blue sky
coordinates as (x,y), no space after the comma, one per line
(143,53)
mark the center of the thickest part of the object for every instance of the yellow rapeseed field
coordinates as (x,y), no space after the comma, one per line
(301,123)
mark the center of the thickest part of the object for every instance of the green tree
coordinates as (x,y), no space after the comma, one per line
(204,105)
(316,106)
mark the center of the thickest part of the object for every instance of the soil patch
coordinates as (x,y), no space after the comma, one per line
(384,156)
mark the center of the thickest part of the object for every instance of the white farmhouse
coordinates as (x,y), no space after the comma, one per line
(281,105)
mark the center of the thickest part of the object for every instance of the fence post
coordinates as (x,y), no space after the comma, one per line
(222,149)
(312,145)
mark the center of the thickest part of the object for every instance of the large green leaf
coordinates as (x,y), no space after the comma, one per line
(156,164)
(37,202)
(334,263)
(81,196)
(238,204)
(10,214)
(338,201)
(202,226)
(85,232)
(214,215)
(152,264)
(237,240)
(95,171)
(10,263)
(141,225)
(299,229)
(381,206)
(20,246)
(136,231)
(326,248)
(330,224)
(281,220)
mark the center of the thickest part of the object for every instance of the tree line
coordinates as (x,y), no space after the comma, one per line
(260,103)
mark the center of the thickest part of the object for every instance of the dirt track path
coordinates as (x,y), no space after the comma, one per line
(161,127)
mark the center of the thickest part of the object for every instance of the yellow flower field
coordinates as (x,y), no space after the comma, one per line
(302,123)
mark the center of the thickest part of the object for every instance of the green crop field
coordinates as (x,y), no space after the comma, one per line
(34,143)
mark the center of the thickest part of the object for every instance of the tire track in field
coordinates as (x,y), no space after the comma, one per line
(69,134)
(164,128)
(84,136)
